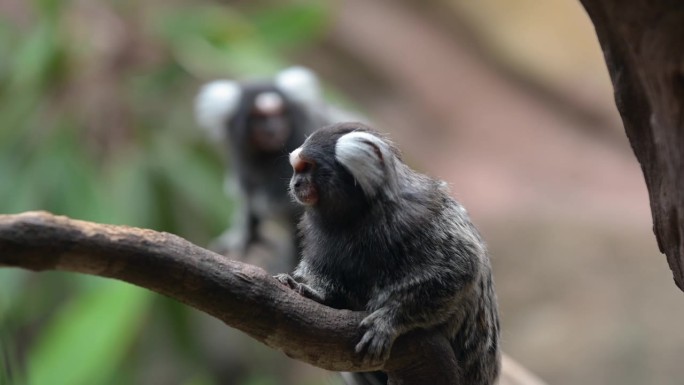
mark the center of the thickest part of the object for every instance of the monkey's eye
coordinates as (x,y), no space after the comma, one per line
(299,163)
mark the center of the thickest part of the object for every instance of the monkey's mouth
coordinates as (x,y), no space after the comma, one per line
(306,194)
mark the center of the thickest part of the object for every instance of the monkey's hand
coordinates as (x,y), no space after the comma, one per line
(376,343)
(303,289)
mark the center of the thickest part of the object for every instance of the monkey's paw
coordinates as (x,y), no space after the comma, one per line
(376,343)
(302,289)
(287,280)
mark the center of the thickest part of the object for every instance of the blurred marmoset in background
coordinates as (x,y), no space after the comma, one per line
(259,122)
(380,237)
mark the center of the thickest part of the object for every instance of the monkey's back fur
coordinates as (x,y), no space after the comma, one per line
(402,249)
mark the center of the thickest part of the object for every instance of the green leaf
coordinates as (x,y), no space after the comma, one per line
(196,185)
(39,61)
(51,9)
(128,191)
(292,24)
(213,41)
(89,337)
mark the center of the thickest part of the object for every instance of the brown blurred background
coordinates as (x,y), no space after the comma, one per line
(508,101)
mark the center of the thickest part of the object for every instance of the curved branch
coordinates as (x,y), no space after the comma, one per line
(241,295)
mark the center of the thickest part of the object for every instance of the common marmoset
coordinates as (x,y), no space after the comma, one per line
(380,237)
(259,122)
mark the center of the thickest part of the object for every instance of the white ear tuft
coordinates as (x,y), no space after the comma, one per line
(366,157)
(215,103)
(299,84)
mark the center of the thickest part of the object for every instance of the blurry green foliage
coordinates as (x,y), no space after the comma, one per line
(101,129)
(89,337)
(213,39)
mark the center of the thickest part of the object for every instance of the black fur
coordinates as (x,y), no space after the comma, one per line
(260,177)
(266,172)
(408,255)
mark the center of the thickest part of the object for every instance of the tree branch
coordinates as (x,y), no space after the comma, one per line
(642,44)
(241,295)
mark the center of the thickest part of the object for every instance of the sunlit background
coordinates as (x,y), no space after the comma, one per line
(507,100)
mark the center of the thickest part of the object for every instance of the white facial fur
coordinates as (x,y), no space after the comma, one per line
(269,103)
(294,157)
(358,153)
(215,103)
(300,84)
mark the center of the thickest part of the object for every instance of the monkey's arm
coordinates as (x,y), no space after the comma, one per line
(421,299)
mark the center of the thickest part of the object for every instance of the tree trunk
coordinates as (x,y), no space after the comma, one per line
(643,43)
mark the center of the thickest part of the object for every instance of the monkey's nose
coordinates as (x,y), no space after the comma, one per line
(298,163)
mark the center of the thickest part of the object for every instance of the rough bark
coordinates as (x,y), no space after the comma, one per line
(241,295)
(642,41)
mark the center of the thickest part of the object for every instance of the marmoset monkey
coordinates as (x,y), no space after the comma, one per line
(260,122)
(380,237)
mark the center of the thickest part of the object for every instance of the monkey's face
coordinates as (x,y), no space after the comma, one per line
(302,184)
(262,115)
(338,169)
(318,179)
(268,123)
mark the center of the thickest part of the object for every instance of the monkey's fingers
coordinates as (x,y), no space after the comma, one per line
(361,346)
(300,288)
(311,293)
(374,346)
(286,280)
